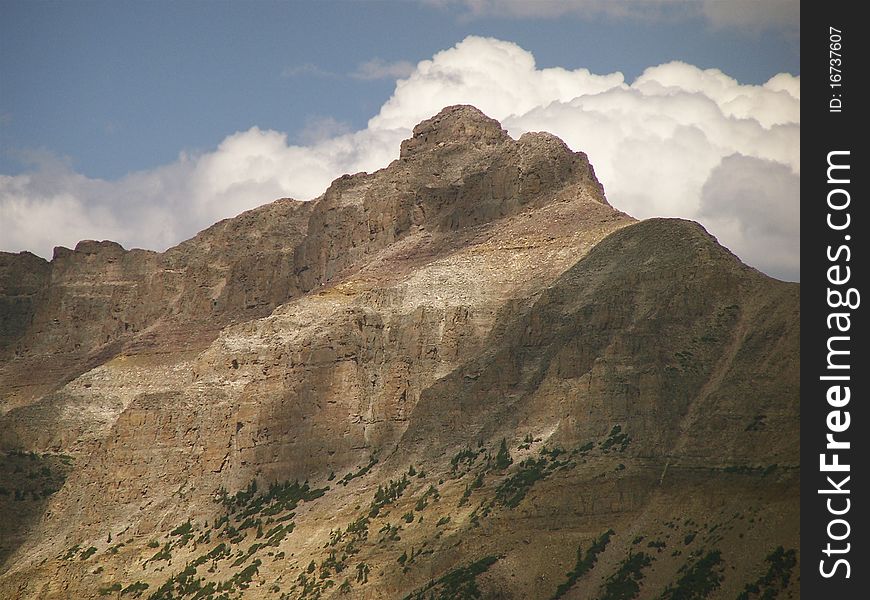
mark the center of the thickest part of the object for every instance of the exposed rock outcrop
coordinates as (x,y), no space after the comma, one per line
(486,364)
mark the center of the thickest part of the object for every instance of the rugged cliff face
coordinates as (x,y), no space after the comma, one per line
(491,383)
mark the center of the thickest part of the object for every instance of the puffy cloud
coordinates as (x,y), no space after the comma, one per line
(497,77)
(318,129)
(755,204)
(56,206)
(377,68)
(654,143)
(665,145)
(771,104)
(157,208)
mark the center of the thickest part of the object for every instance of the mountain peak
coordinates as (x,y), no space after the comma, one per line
(477,299)
(460,123)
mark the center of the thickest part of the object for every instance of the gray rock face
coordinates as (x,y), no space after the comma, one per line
(381,341)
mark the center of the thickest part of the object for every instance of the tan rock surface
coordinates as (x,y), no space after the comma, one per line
(478,289)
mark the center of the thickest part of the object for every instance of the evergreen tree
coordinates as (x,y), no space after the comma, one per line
(503,459)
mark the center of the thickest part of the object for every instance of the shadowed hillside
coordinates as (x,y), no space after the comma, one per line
(462,376)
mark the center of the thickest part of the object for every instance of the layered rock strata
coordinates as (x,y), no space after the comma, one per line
(470,358)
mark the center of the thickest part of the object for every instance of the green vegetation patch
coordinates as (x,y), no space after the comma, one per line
(182,529)
(359,472)
(512,490)
(503,458)
(767,587)
(699,579)
(584,564)
(469,488)
(385,496)
(616,440)
(406,560)
(29,476)
(458,584)
(269,512)
(464,459)
(135,589)
(164,553)
(624,584)
(279,498)
(111,589)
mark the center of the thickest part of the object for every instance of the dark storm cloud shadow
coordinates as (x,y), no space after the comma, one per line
(753,207)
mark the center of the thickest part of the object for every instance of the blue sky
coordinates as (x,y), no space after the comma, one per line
(109,92)
(123,86)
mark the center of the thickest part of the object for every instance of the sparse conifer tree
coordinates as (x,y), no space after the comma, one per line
(503,459)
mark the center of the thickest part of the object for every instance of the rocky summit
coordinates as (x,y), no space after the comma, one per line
(465,375)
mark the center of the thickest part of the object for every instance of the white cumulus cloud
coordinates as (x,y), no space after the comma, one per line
(678,141)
